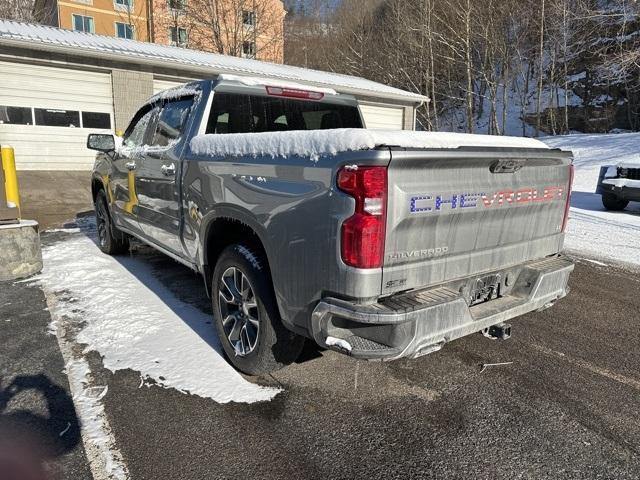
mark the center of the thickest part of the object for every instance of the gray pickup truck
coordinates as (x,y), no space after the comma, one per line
(379,245)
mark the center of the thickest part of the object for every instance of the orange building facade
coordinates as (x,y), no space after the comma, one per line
(249,28)
(115,18)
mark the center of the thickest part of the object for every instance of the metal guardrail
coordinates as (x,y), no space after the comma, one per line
(9,192)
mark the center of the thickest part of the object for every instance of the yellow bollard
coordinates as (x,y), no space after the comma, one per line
(10,177)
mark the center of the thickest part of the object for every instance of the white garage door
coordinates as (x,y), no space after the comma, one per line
(47,112)
(380,117)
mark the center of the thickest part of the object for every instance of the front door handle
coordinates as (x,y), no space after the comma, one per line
(168,170)
(130,165)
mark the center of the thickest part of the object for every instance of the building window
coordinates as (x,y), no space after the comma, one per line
(15,115)
(57,118)
(249,49)
(178,36)
(249,18)
(123,4)
(124,30)
(83,24)
(96,120)
(177,5)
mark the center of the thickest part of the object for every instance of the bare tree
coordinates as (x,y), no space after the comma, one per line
(250,28)
(27,11)
(555,64)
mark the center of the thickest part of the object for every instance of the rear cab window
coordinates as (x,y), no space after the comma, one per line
(238,113)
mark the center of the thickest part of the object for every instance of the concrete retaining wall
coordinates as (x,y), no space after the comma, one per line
(20,254)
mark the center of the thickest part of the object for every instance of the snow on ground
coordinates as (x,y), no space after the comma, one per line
(592,230)
(133,321)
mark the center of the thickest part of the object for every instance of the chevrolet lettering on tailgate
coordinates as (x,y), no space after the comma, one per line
(431,203)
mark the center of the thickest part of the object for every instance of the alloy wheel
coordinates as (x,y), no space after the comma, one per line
(102,223)
(239,311)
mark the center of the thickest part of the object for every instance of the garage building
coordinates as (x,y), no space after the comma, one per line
(56,86)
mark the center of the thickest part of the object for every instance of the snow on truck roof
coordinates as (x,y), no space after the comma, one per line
(316,143)
(87,44)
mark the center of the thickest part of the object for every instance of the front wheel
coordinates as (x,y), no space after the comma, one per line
(110,240)
(612,202)
(246,315)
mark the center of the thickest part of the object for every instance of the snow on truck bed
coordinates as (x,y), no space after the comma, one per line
(316,143)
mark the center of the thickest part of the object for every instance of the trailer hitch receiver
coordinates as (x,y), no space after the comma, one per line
(501,331)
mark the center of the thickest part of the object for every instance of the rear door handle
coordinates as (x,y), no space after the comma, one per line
(168,170)
(130,165)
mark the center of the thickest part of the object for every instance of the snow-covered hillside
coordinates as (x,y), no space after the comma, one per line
(593,230)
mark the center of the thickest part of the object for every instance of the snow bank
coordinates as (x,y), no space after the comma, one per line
(592,230)
(316,143)
(134,321)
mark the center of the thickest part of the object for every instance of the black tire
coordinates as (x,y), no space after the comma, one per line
(274,346)
(110,240)
(611,202)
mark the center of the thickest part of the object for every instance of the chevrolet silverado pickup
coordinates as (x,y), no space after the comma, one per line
(305,225)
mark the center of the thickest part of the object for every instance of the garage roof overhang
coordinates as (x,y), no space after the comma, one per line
(79,44)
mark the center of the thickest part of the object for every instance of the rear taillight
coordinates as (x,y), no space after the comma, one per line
(568,204)
(362,236)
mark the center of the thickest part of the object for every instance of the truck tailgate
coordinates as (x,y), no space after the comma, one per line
(458,213)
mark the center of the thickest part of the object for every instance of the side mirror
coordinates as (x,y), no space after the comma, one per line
(101,142)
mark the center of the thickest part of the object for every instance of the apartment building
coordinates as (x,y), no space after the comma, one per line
(248,29)
(115,18)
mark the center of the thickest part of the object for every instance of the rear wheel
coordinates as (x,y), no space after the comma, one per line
(110,240)
(612,202)
(246,315)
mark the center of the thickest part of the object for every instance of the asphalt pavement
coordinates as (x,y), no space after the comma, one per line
(39,428)
(562,400)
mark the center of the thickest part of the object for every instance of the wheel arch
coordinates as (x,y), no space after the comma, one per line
(96,185)
(227,225)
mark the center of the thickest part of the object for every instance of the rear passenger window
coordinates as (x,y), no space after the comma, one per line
(172,122)
(233,113)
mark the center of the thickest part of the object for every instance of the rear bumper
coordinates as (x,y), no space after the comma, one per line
(421,322)
(623,188)
(622,191)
